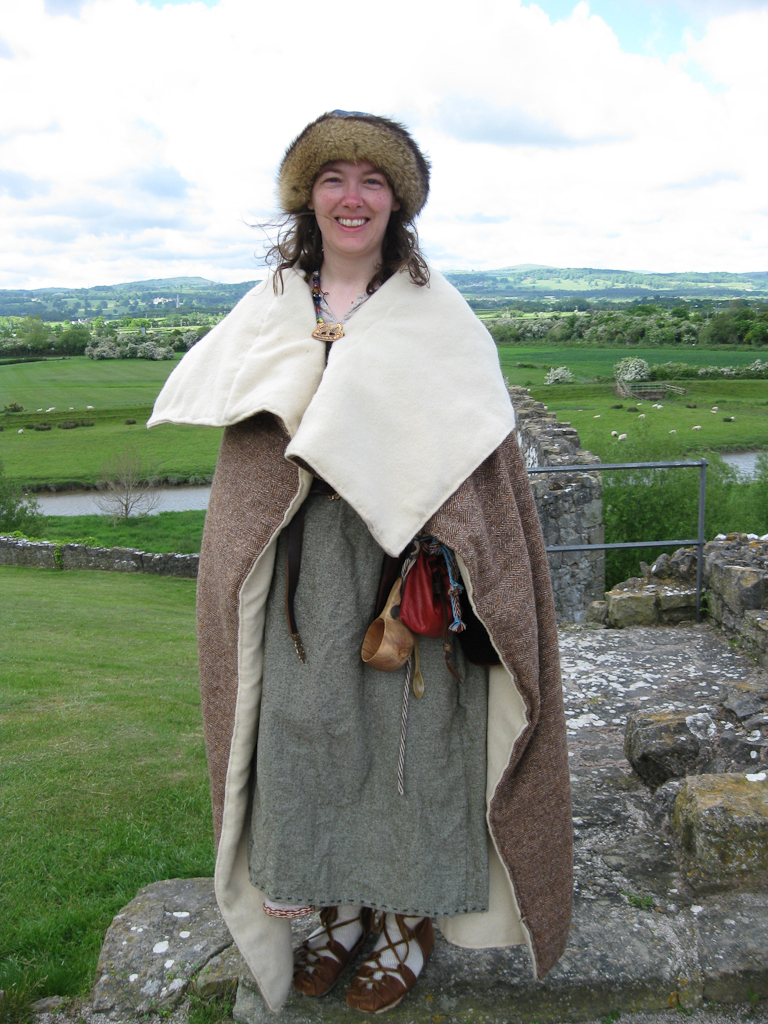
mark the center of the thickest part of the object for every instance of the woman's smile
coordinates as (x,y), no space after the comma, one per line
(352,204)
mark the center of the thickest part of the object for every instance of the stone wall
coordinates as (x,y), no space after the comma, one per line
(734,584)
(736,576)
(570,505)
(47,555)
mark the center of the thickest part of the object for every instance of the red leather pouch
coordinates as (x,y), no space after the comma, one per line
(421,606)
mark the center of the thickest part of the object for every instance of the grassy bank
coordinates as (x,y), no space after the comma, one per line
(80,382)
(167,532)
(528,364)
(590,408)
(103,776)
(61,459)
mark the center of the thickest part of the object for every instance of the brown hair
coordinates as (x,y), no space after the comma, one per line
(299,244)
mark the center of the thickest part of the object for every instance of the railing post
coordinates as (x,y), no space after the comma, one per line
(700,546)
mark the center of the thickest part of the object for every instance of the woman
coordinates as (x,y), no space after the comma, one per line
(388,422)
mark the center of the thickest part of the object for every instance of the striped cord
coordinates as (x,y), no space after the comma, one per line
(404,724)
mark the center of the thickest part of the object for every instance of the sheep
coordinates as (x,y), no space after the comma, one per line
(90,407)
(596,417)
(52,409)
(673,431)
(715,408)
(696,427)
(614,433)
(21,431)
(622,437)
(641,416)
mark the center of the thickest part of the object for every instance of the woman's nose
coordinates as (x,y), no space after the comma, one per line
(352,194)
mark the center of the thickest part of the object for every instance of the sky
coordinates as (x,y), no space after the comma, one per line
(140,138)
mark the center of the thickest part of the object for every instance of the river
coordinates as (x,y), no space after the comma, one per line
(183,499)
(83,503)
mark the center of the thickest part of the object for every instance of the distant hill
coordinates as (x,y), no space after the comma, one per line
(528,282)
(158,297)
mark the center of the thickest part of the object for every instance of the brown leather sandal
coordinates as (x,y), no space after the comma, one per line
(316,970)
(376,995)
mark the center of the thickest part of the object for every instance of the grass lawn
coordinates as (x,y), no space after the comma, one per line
(103,782)
(746,401)
(167,532)
(79,382)
(62,458)
(528,364)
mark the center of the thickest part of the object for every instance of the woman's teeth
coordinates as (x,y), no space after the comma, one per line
(349,223)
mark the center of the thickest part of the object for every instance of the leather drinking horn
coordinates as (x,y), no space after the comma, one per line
(388,643)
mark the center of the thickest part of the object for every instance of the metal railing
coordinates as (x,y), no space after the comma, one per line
(598,467)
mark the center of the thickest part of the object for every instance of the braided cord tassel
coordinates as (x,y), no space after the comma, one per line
(404,724)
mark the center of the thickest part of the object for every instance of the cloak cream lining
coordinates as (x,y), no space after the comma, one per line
(411,403)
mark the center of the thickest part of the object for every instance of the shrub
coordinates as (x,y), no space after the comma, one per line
(17,511)
(660,504)
(558,375)
(631,368)
(71,424)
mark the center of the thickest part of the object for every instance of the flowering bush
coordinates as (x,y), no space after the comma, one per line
(558,375)
(102,350)
(631,368)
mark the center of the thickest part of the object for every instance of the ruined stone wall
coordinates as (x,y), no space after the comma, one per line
(736,576)
(47,555)
(570,505)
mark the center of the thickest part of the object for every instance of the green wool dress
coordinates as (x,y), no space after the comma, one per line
(328,825)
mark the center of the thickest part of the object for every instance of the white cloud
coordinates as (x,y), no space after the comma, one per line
(142,139)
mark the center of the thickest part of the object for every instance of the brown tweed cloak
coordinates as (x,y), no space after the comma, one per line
(488,518)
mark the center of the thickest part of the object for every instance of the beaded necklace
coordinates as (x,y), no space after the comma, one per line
(323,332)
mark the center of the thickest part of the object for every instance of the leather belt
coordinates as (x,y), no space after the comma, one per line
(295,540)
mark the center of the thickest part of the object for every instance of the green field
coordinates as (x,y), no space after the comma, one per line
(528,364)
(125,389)
(80,382)
(580,403)
(118,390)
(167,532)
(103,781)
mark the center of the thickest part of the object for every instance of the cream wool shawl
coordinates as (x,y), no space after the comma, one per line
(257,373)
(411,401)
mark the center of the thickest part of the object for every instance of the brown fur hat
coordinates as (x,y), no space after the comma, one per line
(354,136)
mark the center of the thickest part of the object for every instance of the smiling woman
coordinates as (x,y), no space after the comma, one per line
(370,484)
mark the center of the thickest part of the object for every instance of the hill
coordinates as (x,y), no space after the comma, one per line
(530,282)
(153,298)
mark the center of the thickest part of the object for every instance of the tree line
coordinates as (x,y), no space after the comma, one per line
(649,325)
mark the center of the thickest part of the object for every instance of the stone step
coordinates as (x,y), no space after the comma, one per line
(619,957)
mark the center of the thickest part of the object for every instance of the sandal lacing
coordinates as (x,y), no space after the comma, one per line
(379,986)
(317,968)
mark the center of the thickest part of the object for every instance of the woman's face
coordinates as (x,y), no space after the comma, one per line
(352,204)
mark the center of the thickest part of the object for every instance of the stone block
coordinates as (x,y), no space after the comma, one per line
(598,612)
(743,588)
(218,979)
(732,939)
(157,944)
(49,1004)
(631,608)
(721,824)
(676,604)
(617,958)
(661,746)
